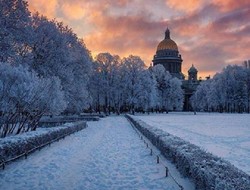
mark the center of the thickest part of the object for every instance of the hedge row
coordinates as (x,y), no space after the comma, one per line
(13,146)
(53,121)
(208,172)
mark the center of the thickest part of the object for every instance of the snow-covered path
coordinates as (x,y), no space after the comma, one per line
(106,155)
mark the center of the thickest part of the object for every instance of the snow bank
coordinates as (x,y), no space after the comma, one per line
(207,171)
(13,146)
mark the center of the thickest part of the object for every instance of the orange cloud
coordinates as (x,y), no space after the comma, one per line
(45,7)
(187,6)
(73,11)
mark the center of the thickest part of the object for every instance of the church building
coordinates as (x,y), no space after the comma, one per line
(168,55)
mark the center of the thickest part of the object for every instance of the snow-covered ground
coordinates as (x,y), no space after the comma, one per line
(224,135)
(106,155)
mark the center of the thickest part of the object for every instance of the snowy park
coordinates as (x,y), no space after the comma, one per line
(224,135)
(96,108)
(108,154)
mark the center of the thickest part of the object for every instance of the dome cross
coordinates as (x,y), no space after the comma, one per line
(167,34)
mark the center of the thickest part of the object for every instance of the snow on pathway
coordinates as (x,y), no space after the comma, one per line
(106,155)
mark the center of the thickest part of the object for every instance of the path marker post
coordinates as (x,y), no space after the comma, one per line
(3,165)
(25,155)
(166,171)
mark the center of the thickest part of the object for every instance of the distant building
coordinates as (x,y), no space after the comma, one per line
(167,54)
(189,86)
(246,64)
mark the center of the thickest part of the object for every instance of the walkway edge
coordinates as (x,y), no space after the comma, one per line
(20,146)
(206,170)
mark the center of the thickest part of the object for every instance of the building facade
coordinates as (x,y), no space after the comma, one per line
(246,64)
(167,54)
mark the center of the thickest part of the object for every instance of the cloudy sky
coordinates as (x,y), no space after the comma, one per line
(209,33)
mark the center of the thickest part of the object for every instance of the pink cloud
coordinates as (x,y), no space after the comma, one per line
(229,5)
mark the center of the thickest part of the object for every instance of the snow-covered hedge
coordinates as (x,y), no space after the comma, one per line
(47,121)
(208,172)
(13,146)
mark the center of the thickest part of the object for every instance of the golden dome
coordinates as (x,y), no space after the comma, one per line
(167,44)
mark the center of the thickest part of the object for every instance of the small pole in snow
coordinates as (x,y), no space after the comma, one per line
(158,160)
(151,152)
(25,155)
(166,171)
(3,165)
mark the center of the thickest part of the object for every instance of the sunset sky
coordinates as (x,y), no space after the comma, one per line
(209,33)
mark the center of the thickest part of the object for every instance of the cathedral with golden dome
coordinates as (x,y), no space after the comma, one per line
(167,54)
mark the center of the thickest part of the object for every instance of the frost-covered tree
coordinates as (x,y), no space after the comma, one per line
(149,96)
(176,94)
(236,88)
(132,68)
(58,52)
(169,90)
(247,80)
(107,68)
(16,33)
(160,73)
(105,83)
(117,87)
(199,100)
(24,98)
(45,68)
(228,91)
(122,85)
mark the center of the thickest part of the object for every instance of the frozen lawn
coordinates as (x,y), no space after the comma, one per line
(106,155)
(224,135)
